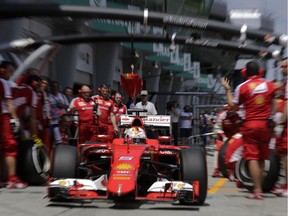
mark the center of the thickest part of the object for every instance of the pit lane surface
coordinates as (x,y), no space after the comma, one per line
(223,199)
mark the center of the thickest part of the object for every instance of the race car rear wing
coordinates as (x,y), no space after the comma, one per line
(155,121)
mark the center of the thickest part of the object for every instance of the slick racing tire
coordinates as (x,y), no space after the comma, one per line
(221,159)
(33,163)
(272,169)
(64,162)
(193,167)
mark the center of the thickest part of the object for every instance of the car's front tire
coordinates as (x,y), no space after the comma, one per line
(64,162)
(193,167)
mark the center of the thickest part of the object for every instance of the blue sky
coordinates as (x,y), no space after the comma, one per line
(277,9)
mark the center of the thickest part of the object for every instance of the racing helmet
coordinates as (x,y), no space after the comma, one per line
(137,134)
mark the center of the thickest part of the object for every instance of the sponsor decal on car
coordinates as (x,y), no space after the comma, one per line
(126,158)
(121,177)
(62,183)
(124,166)
(165,152)
(122,172)
(157,119)
(101,151)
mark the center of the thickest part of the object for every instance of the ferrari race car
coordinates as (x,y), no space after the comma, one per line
(131,167)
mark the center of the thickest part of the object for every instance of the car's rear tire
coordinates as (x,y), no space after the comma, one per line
(33,163)
(64,162)
(193,167)
(272,168)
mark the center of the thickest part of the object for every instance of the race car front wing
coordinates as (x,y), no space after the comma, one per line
(164,190)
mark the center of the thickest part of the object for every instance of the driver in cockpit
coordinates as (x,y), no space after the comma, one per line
(135,135)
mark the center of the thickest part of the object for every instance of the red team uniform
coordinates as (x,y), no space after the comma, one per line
(24,97)
(119,110)
(8,142)
(256,95)
(86,118)
(227,124)
(282,142)
(233,151)
(106,107)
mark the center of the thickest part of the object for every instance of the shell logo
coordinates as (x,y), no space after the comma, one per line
(62,183)
(252,85)
(124,167)
(259,100)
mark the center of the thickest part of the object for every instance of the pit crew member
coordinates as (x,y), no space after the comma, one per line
(281,130)
(84,106)
(25,103)
(119,109)
(256,94)
(106,107)
(7,118)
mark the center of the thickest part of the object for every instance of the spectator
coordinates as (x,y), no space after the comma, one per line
(68,92)
(59,104)
(151,110)
(7,118)
(204,126)
(186,118)
(145,104)
(174,112)
(213,115)
(256,94)
(130,103)
(106,107)
(43,112)
(84,106)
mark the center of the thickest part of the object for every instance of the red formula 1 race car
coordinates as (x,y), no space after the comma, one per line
(132,167)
